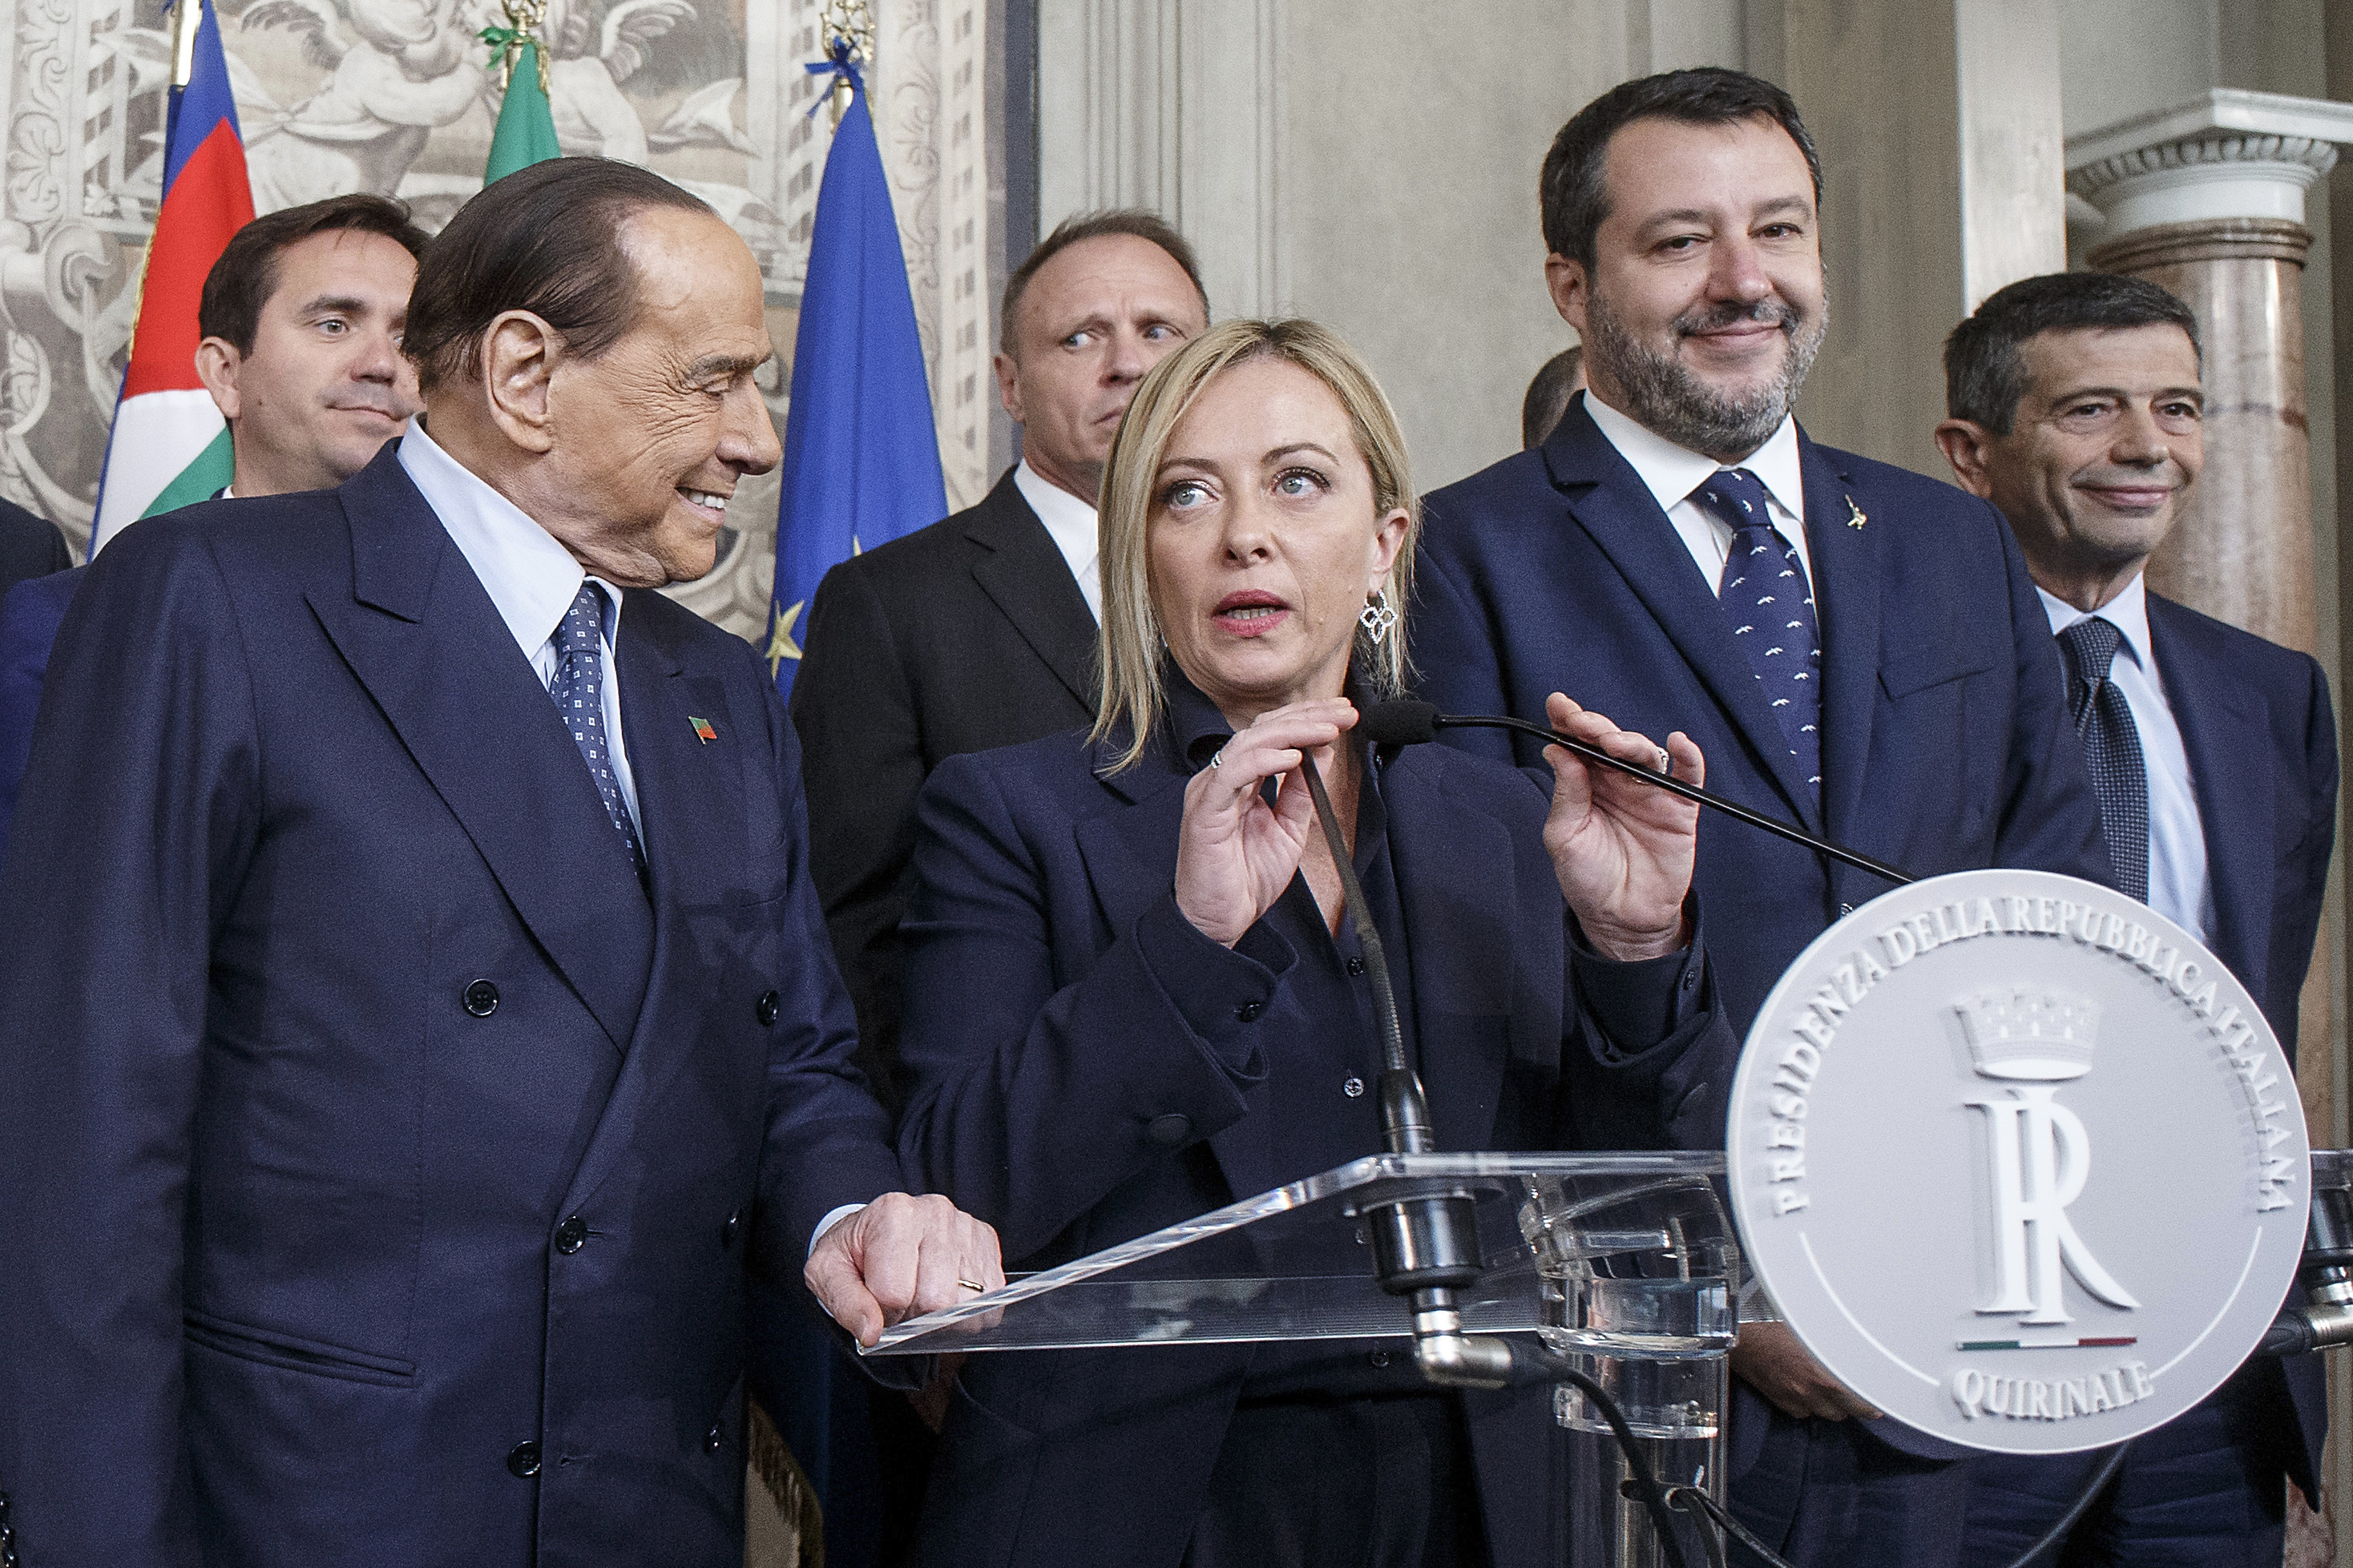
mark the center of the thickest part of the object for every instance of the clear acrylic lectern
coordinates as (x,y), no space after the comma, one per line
(1624,1262)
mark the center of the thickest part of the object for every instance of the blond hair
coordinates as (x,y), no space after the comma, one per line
(1132,643)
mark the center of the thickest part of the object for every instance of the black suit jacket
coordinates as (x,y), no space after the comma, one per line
(2256,723)
(29,547)
(963,636)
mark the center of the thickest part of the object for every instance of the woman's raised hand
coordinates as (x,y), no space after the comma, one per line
(1235,853)
(1622,849)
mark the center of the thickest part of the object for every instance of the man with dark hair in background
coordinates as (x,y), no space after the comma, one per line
(30,546)
(417,1019)
(1855,649)
(2074,406)
(301,317)
(979,631)
(1557,380)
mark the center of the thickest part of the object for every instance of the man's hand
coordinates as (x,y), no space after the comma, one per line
(901,1256)
(1769,1359)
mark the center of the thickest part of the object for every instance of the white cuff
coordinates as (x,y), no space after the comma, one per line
(829,1221)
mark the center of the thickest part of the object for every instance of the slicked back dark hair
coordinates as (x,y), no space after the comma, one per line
(1134,222)
(1985,376)
(1572,194)
(545,239)
(1549,390)
(241,281)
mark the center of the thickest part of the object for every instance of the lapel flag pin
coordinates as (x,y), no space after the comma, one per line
(1855,518)
(703,730)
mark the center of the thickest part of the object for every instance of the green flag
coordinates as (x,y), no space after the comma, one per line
(526,131)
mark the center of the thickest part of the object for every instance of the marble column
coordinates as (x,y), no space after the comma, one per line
(2207,199)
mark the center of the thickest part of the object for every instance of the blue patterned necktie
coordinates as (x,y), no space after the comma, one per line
(2112,746)
(1771,610)
(579,692)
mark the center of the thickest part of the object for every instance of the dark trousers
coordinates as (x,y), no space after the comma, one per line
(1826,1494)
(2205,1490)
(1342,1483)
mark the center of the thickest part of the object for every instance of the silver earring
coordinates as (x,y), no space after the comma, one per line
(1378,617)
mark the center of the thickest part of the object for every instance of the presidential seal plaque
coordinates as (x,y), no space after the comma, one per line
(2020,1161)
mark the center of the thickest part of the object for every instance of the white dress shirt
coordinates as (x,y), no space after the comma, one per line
(1072,522)
(2179,888)
(532,580)
(1672,473)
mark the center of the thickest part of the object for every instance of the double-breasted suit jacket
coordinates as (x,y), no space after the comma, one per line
(382,1161)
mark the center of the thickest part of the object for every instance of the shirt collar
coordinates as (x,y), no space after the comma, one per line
(1071,520)
(2127,612)
(1671,472)
(1199,729)
(532,580)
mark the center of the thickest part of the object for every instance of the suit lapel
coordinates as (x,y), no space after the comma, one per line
(1611,502)
(1025,575)
(691,799)
(1847,587)
(1458,940)
(2222,731)
(1131,856)
(421,634)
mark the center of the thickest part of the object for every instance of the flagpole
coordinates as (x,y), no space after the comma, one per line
(185,15)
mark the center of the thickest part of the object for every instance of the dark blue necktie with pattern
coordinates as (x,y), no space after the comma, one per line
(579,692)
(2112,746)
(1771,610)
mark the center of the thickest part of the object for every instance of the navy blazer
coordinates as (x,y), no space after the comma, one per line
(381,1163)
(30,614)
(2256,722)
(1946,743)
(1068,1035)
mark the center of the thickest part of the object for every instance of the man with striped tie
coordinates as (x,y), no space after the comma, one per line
(2074,406)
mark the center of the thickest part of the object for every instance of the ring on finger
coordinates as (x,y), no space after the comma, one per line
(1666,762)
(1218,759)
(974,1286)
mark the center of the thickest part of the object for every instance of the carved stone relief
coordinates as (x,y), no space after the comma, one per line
(392,96)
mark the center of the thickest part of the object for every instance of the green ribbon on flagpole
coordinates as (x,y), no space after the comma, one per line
(526,129)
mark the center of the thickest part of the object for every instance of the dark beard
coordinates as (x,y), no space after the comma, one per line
(1666,398)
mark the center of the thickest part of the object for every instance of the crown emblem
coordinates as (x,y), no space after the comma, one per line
(2025,1033)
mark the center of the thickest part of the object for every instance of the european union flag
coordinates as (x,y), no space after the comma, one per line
(861,457)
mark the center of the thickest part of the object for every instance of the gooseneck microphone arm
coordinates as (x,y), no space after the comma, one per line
(1405,723)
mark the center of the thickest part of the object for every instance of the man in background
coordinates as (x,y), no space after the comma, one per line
(30,546)
(2074,406)
(979,631)
(1661,559)
(302,318)
(1560,379)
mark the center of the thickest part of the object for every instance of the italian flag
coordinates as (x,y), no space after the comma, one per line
(169,446)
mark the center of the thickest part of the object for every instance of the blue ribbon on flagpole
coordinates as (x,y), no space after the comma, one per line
(837,65)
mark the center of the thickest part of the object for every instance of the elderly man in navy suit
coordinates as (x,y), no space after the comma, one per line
(1853,646)
(2074,407)
(419,1017)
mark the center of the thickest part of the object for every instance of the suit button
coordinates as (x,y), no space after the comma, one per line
(523,1461)
(571,1236)
(1379,1359)
(1168,1130)
(711,1439)
(1352,1085)
(1247,1012)
(481,998)
(1356,966)
(766,1009)
(733,1227)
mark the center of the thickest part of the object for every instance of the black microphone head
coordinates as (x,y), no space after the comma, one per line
(1399,722)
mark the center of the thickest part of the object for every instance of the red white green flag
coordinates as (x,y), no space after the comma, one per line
(169,446)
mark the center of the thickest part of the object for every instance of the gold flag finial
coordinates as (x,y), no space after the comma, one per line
(525,20)
(849,22)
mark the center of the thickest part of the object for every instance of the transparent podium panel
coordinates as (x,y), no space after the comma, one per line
(1621,1265)
(1296,1264)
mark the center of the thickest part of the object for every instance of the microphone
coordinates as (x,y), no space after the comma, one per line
(1403,721)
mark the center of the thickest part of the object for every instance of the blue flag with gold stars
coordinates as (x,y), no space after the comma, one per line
(861,457)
